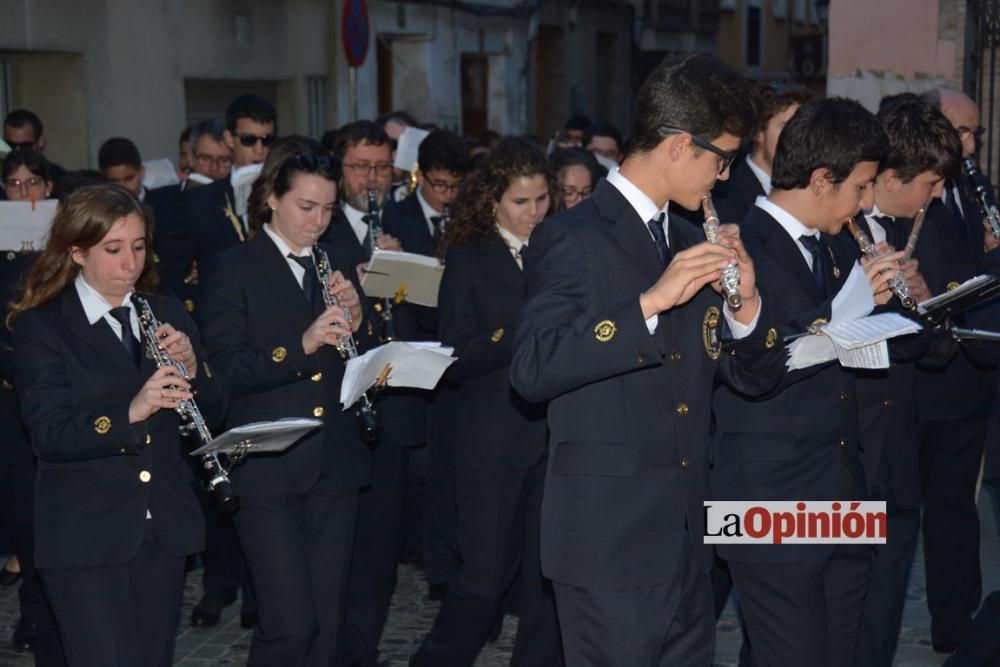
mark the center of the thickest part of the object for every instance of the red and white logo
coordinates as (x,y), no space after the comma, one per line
(794,522)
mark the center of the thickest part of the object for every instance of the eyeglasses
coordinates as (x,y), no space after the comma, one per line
(248,140)
(569,192)
(214,160)
(21,145)
(27,184)
(365,168)
(727,157)
(443,187)
(976,132)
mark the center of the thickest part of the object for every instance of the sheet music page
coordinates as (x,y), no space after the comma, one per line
(409,366)
(872,356)
(869,330)
(809,351)
(854,299)
(409,276)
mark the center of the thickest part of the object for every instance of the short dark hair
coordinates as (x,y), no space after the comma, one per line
(891,100)
(118,151)
(72,181)
(22,117)
(577,122)
(567,157)
(254,107)
(329,139)
(602,129)
(445,150)
(359,132)
(774,98)
(28,158)
(185,135)
(290,156)
(696,93)
(211,127)
(920,139)
(833,134)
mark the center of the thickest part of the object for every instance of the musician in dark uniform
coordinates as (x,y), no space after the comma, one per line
(800,441)
(365,151)
(624,333)
(953,402)
(273,342)
(751,174)
(499,439)
(924,149)
(115,510)
(25,175)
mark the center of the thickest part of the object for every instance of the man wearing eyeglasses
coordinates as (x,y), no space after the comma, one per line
(953,403)
(442,163)
(624,333)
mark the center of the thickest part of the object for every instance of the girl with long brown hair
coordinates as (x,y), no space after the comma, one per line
(115,509)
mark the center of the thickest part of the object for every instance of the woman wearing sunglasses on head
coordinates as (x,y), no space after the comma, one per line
(116,515)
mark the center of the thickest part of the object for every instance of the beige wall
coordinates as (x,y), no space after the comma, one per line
(886,47)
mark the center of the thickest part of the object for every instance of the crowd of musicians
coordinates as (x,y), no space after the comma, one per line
(604,388)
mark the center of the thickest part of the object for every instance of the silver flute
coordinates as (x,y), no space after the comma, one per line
(988,208)
(897,284)
(218,478)
(346,347)
(730,279)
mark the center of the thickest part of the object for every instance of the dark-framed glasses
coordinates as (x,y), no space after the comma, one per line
(977,132)
(569,192)
(24,184)
(365,168)
(215,160)
(443,187)
(726,157)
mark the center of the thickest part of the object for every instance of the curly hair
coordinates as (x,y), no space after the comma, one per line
(473,215)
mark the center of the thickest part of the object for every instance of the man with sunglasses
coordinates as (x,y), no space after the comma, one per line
(624,333)
(23,129)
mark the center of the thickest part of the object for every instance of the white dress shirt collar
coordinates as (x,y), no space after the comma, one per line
(645,207)
(791,225)
(356,220)
(514,244)
(762,176)
(96,307)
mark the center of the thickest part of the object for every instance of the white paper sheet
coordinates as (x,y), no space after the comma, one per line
(415,365)
(416,278)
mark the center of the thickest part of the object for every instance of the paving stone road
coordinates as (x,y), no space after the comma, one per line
(412,615)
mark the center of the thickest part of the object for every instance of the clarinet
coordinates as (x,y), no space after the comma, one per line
(218,478)
(374,231)
(346,347)
(730,279)
(991,215)
(897,284)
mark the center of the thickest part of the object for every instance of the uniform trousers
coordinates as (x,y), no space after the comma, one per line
(671,624)
(950,456)
(119,615)
(498,528)
(804,612)
(377,545)
(298,550)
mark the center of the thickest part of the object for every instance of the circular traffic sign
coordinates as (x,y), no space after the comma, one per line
(354,29)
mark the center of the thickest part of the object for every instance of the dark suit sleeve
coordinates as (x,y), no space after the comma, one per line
(555,350)
(225,320)
(477,351)
(60,430)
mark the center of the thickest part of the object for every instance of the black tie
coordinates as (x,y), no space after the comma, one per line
(817,249)
(310,283)
(660,239)
(436,221)
(122,314)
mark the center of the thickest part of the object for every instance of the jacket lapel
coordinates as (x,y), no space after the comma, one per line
(278,277)
(98,335)
(628,231)
(498,261)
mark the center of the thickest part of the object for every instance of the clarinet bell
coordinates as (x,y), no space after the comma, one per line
(225,498)
(368,421)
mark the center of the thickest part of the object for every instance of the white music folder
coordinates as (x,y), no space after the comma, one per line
(403,276)
(418,365)
(25,225)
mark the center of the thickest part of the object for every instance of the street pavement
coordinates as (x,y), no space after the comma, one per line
(412,615)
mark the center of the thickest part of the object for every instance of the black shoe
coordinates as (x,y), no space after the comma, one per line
(208,611)
(8,578)
(24,639)
(248,619)
(436,592)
